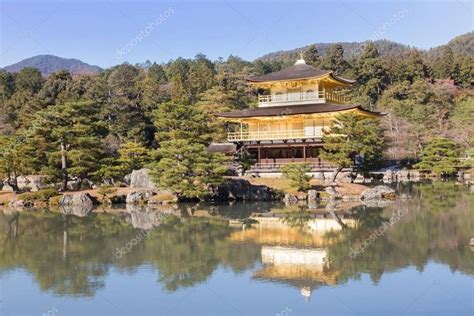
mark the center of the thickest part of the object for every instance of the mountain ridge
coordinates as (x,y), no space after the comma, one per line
(462,44)
(48,64)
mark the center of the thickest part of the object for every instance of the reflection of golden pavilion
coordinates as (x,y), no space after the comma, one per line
(274,231)
(291,255)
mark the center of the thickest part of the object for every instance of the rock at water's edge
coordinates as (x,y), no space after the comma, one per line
(378,192)
(312,195)
(83,199)
(242,190)
(333,194)
(141,179)
(290,199)
(138,197)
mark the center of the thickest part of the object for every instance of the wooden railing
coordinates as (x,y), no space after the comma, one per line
(300,97)
(277,166)
(274,135)
(334,97)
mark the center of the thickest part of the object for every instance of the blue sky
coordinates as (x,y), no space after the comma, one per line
(109,32)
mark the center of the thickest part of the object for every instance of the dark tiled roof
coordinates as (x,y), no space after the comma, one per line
(293,110)
(300,71)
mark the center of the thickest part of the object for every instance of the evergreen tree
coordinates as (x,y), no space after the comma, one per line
(464,71)
(334,59)
(15,159)
(414,67)
(178,121)
(7,85)
(201,75)
(311,56)
(372,76)
(54,85)
(444,65)
(29,79)
(72,132)
(123,111)
(187,168)
(352,135)
(178,74)
(154,90)
(440,156)
(298,175)
(185,165)
(131,156)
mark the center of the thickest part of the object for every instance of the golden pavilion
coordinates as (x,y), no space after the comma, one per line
(299,103)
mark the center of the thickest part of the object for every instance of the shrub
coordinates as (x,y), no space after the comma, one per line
(105,190)
(54,200)
(297,174)
(440,156)
(41,195)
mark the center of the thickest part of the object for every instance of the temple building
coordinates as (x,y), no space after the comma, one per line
(299,103)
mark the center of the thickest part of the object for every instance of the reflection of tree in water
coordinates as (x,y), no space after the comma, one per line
(424,233)
(71,256)
(297,216)
(239,210)
(40,244)
(440,196)
(187,252)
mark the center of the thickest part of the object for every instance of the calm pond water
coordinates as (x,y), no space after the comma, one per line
(410,257)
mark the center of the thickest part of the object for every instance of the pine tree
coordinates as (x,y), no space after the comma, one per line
(185,165)
(15,158)
(414,67)
(187,168)
(311,56)
(444,65)
(334,59)
(440,156)
(201,75)
(29,79)
(352,135)
(123,111)
(372,76)
(72,132)
(178,121)
(298,175)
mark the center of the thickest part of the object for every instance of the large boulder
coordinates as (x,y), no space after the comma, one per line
(20,203)
(163,197)
(290,199)
(312,195)
(77,199)
(141,179)
(333,194)
(242,190)
(32,182)
(378,192)
(139,197)
(6,187)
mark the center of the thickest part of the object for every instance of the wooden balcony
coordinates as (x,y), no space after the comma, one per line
(300,98)
(274,135)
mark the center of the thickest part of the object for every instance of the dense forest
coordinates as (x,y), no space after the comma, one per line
(102,126)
